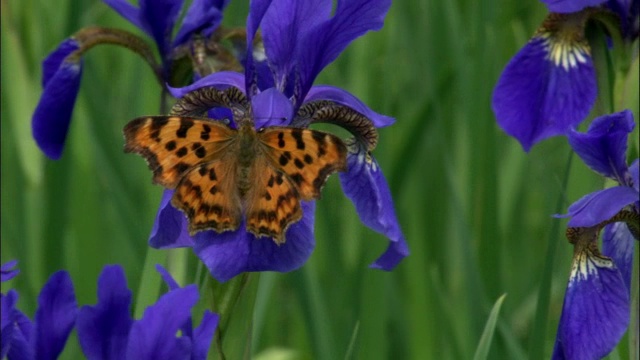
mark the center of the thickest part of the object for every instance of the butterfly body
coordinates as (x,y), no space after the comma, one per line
(223,176)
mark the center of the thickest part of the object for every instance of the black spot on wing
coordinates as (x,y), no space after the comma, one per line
(297,135)
(185,125)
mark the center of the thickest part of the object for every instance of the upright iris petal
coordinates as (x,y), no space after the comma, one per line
(300,38)
(106,330)
(550,86)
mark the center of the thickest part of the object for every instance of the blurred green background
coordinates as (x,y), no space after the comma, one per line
(475,209)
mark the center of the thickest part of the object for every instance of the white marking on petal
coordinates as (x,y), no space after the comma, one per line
(259,53)
(565,53)
(585,265)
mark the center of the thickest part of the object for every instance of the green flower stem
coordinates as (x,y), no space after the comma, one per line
(91,36)
(235,297)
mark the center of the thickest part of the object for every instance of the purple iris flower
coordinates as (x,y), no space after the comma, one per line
(629,13)
(62,69)
(300,38)
(549,86)
(569,6)
(107,331)
(596,307)
(45,337)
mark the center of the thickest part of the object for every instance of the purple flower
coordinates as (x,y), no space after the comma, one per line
(596,307)
(629,13)
(62,69)
(7,271)
(550,85)
(45,337)
(300,38)
(569,6)
(107,331)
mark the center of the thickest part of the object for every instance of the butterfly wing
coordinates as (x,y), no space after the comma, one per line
(272,203)
(306,156)
(172,145)
(207,195)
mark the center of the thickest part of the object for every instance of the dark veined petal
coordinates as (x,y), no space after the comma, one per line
(569,6)
(600,206)
(545,90)
(7,271)
(16,330)
(322,44)
(203,335)
(284,26)
(103,329)
(232,252)
(271,108)
(160,16)
(170,230)
(634,169)
(595,312)
(326,92)
(51,118)
(619,244)
(56,315)
(154,336)
(604,146)
(220,80)
(365,185)
(203,17)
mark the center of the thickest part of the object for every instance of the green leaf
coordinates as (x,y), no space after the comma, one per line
(487,335)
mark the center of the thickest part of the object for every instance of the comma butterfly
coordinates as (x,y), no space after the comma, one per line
(221,174)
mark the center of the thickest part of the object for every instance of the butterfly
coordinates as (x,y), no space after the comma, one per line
(222,175)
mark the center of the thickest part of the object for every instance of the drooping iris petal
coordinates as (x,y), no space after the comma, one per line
(271,108)
(203,17)
(155,333)
(7,271)
(232,252)
(569,6)
(365,186)
(51,118)
(604,146)
(7,306)
(170,230)
(326,92)
(55,316)
(595,313)
(53,61)
(634,169)
(600,206)
(323,43)
(545,90)
(619,244)
(103,329)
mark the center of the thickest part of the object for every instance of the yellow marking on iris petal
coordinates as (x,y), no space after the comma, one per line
(564,40)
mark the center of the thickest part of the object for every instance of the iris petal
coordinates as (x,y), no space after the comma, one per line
(535,98)
(170,228)
(129,12)
(232,252)
(569,6)
(7,271)
(203,335)
(619,244)
(600,206)
(154,336)
(52,116)
(55,316)
(365,186)
(595,313)
(103,329)
(326,92)
(203,17)
(220,80)
(604,146)
(271,108)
